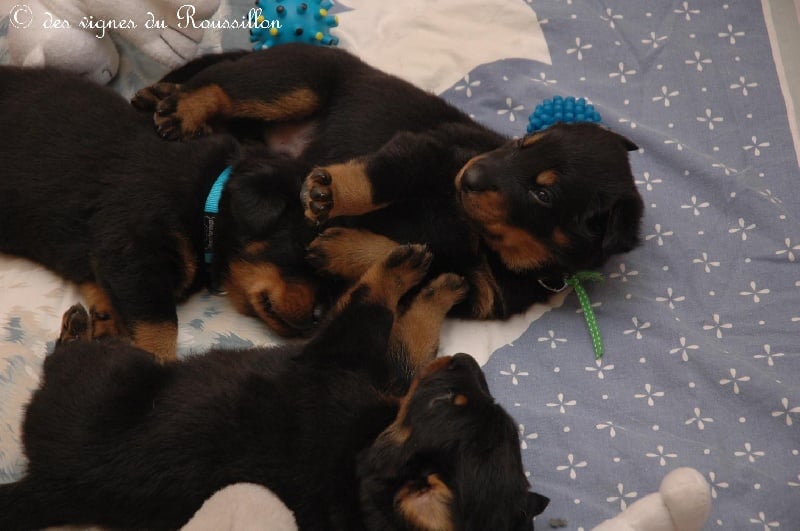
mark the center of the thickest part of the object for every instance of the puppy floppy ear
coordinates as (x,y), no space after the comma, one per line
(629,145)
(536,504)
(621,232)
(252,212)
(426,503)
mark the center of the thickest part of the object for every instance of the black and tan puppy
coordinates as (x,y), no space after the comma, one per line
(90,191)
(114,438)
(396,164)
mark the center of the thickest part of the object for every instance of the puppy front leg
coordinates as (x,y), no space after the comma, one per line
(409,165)
(142,288)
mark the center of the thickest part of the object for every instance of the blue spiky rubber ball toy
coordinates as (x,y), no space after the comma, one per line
(566,110)
(307,21)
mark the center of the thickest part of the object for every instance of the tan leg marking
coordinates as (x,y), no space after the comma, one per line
(388,280)
(348,253)
(338,190)
(419,327)
(297,104)
(160,339)
(197,108)
(483,292)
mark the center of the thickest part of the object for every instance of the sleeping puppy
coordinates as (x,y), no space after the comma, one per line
(89,191)
(115,439)
(395,164)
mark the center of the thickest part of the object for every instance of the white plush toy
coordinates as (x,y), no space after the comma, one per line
(682,503)
(242,507)
(76,34)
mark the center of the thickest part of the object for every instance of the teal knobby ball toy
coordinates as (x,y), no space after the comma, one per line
(567,110)
(306,21)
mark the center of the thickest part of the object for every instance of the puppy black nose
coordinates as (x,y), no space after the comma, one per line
(477,179)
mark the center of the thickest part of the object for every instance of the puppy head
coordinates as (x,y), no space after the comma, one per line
(259,247)
(563,199)
(450,460)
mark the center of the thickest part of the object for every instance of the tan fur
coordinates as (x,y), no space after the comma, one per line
(384,285)
(528,140)
(292,302)
(427,508)
(160,339)
(196,108)
(485,207)
(351,189)
(485,290)
(561,239)
(350,252)
(297,104)
(418,328)
(100,305)
(547,178)
(518,249)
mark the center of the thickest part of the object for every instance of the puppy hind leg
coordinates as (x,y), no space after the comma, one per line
(347,253)
(415,334)
(29,504)
(357,330)
(385,282)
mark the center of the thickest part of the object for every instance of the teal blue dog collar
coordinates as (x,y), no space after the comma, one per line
(210,213)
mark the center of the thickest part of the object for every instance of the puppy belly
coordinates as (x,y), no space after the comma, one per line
(289,139)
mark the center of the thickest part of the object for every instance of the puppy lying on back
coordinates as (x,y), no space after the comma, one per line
(115,439)
(91,192)
(396,164)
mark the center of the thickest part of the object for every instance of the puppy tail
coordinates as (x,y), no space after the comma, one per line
(26,505)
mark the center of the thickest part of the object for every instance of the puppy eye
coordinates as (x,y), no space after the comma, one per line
(446,398)
(542,196)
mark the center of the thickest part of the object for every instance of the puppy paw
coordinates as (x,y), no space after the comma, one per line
(337,190)
(402,269)
(148,98)
(443,292)
(317,196)
(74,324)
(185,114)
(174,122)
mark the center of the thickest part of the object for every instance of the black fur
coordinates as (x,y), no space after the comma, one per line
(503,213)
(89,191)
(115,439)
